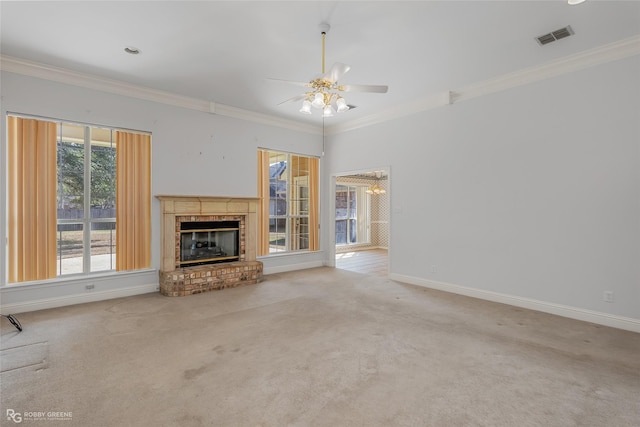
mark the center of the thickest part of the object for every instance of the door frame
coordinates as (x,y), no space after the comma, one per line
(331,262)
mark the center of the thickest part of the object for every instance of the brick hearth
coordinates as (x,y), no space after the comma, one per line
(212,277)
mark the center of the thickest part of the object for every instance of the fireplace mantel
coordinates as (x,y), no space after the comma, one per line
(172,206)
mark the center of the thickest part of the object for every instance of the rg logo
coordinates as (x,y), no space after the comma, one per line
(14,416)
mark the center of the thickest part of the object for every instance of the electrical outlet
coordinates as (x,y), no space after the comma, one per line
(434,269)
(90,287)
(608,296)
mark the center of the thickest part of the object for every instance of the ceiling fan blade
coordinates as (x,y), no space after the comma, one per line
(337,70)
(364,88)
(294,99)
(304,84)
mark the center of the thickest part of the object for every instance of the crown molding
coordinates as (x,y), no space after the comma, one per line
(74,78)
(601,55)
(422,104)
(265,119)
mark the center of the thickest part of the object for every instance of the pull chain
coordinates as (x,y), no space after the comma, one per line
(322,136)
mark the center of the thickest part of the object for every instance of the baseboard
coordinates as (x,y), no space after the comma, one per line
(43,304)
(293,267)
(599,318)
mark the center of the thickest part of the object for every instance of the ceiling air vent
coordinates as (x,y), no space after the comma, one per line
(555,35)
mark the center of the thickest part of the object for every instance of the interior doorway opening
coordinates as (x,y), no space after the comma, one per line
(361,222)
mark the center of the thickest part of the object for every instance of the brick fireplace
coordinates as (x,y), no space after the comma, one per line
(188,224)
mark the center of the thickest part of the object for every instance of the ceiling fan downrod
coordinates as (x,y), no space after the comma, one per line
(323,37)
(324,29)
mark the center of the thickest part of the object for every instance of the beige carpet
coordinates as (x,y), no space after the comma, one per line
(320,347)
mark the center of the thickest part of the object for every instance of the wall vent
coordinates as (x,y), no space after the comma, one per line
(555,35)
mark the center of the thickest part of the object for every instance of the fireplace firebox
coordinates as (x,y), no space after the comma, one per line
(209,242)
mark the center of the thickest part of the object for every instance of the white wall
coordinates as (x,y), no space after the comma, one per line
(530,195)
(193,152)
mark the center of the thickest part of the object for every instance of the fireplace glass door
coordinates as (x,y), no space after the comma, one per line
(209,242)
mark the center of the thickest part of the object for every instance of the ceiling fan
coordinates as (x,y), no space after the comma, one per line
(325,92)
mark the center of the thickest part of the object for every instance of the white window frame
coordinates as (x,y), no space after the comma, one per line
(87,219)
(293,207)
(363,215)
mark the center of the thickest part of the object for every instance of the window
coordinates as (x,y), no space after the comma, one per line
(79,199)
(288,191)
(86,215)
(352,215)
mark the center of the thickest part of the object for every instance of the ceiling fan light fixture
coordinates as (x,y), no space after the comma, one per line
(324,92)
(341,104)
(318,100)
(328,111)
(306,107)
(575,2)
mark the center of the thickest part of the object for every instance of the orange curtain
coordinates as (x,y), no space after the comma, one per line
(263,203)
(32,199)
(314,231)
(133,201)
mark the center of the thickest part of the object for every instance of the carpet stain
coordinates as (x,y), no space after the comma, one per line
(219,349)
(367,366)
(190,374)
(32,356)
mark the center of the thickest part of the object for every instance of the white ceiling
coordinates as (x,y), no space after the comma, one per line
(224,52)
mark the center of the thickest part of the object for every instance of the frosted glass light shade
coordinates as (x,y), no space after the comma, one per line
(342,105)
(318,100)
(306,107)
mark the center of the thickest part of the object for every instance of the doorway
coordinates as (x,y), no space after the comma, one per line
(361,222)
